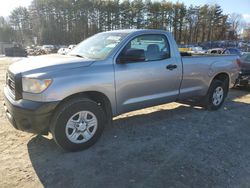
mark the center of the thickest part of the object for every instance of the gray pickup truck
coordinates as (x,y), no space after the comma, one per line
(73,96)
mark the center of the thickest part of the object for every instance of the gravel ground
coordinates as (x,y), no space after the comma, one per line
(170,145)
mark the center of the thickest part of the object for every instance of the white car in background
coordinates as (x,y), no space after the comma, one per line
(48,48)
(197,50)
(72,46)
(64,51)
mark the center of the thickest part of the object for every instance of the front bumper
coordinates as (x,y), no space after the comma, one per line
(28,116)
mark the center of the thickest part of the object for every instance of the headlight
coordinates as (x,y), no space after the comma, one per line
(33,85)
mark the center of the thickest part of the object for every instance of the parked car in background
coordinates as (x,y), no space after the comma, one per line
(215,51)
(184,48)
(72,46)
(244,75)
(76,95)
(16,51)
(48,48)
(65,50)
(234,51)
(197,50)
(62,51)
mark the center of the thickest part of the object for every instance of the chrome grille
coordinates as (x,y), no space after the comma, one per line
(10,82)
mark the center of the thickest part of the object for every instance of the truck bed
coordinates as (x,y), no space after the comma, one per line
(198,70)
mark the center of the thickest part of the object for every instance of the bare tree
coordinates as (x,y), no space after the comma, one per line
(236,25)
(246,32)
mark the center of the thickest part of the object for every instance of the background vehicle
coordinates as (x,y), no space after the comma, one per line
(197,50)
(108,74)
(71,47)
(62,51)
(16,51)
(244,75)
(215,51)
(66,50)
(235,51)
(48,48)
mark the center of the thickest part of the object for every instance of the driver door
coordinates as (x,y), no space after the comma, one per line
(146,74)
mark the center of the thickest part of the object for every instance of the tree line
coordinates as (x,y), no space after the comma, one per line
(70,21)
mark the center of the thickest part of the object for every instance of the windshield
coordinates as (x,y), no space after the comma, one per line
(98,46)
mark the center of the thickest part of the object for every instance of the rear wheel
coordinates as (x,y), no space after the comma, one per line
(77,124)
(216,95)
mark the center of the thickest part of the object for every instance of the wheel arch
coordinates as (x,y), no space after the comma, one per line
(98,97)
(224,77)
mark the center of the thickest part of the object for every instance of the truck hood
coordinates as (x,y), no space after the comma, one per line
(48,63)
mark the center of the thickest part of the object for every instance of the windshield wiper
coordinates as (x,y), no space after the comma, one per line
(77,55)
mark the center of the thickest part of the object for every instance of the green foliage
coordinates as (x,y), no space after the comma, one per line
(70,21)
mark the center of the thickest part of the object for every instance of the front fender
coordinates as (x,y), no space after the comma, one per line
(96,78)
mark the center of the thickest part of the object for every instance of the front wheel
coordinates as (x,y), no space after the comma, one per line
(216,95)
(77,124)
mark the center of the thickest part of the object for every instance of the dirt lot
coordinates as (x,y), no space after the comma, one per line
(171,145)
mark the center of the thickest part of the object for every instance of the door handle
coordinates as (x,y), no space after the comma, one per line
(171,67)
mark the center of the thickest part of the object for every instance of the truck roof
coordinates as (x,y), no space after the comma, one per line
(136,30)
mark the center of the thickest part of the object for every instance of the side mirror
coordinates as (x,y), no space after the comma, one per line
(132,55)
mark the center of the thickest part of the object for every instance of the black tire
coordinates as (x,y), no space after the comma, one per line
(209,104)
(65,112)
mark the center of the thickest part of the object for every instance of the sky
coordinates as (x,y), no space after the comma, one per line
(6,6)
(229,6)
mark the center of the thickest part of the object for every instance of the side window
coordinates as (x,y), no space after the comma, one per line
(150,47)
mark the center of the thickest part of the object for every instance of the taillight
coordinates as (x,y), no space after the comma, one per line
(238,62)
